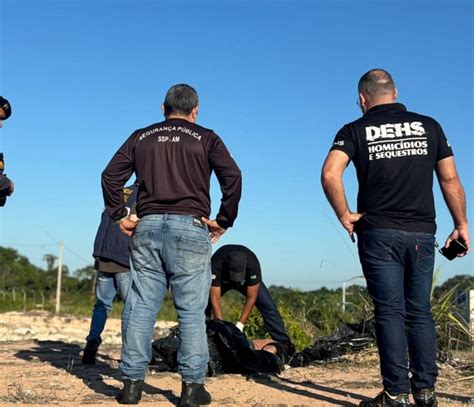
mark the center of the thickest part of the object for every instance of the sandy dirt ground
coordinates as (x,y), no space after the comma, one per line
(46,370)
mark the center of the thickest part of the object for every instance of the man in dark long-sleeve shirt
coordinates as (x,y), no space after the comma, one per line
(173,161)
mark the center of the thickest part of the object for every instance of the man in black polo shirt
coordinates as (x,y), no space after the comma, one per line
(395,153)
(235,267)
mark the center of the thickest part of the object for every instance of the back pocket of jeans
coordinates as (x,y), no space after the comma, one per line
(193,253)
(142,249)
(377,245)
(425,254)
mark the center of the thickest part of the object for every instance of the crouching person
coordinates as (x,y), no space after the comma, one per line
(235,267)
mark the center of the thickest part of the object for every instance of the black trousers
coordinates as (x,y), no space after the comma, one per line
(266,307)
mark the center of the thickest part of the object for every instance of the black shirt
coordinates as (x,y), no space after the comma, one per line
(394,152)
(173,161)
(220,273)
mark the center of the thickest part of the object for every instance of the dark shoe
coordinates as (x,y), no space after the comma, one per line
(131,392)
(194,395)
(289,348)
(384,399)
(88,357)
(425,398)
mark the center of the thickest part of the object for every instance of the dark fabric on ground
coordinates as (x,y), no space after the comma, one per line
(229,352)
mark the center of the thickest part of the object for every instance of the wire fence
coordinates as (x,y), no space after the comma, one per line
(23,298)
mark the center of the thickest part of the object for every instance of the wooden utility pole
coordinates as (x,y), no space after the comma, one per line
(60,272)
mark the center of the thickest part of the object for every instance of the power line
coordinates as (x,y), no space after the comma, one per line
(77,255)
(340,235)
(29,245)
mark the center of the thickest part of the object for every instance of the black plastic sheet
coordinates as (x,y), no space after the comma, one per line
(348,338)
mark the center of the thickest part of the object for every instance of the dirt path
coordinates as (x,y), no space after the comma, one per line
(50,373)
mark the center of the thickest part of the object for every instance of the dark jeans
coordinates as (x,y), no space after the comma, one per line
(398,267)
(266,306)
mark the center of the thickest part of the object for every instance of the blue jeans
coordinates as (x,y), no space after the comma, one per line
(168,250)
(108,285)
(398,267)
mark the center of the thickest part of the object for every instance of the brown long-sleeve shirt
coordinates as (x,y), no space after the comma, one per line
(173,161)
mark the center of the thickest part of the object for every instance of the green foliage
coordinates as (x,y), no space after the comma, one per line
(17,271)
(452,329)
(301,334)
(307,315)
(462,282)
(167,310)
(255,327)
(321,310)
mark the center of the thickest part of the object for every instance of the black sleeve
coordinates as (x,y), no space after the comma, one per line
(114,177)
(230,180)
(444,148)
(5,184)
(344,142)
(217,264)
(254,272)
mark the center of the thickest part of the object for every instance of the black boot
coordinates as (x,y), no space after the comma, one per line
(131,392)
(88,357)
(194,395)
(425,398)
(384,399)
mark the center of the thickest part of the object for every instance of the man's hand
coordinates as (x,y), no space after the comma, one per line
(461,234)
(128,226)
(12,188)
(349,219)
(455,198)
(215,230)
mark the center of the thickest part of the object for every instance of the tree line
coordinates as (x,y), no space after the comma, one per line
(307,314)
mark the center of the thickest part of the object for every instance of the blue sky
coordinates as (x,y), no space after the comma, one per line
(276,80)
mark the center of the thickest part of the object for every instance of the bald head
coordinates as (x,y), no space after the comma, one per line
(376,87)
(376,82)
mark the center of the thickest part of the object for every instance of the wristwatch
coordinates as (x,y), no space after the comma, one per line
(126,217)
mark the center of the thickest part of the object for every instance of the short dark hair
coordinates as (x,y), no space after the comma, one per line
(181,99)
(376,82)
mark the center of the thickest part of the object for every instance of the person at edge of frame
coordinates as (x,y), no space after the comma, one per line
(7,187)
(173,161)
(395,153)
